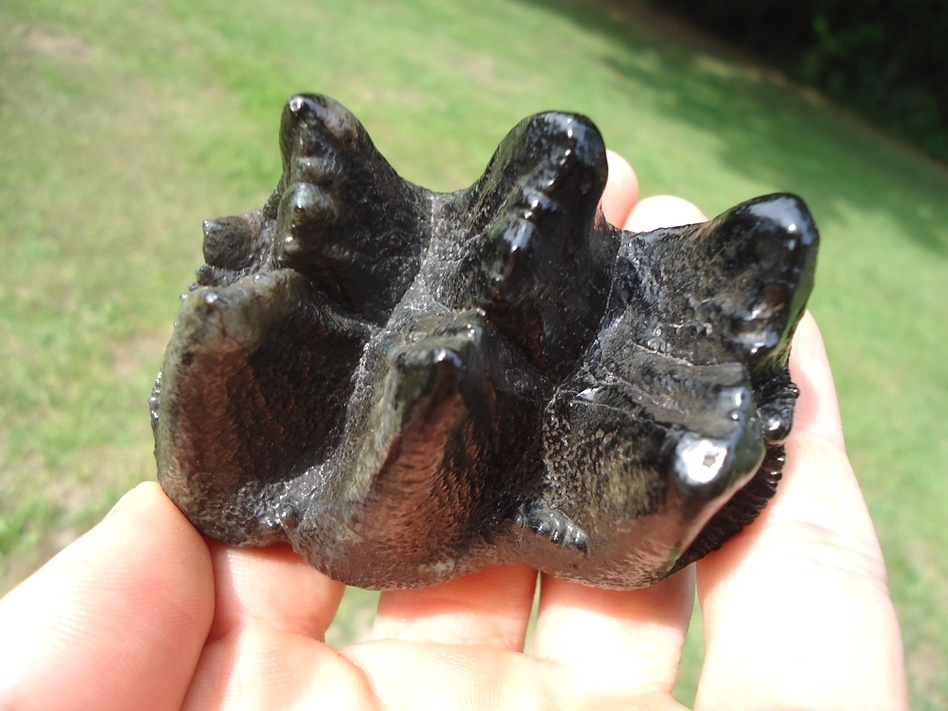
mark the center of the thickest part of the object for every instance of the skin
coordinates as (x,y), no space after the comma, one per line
(143,613)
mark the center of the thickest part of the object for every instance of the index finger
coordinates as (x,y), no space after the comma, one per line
(797,610)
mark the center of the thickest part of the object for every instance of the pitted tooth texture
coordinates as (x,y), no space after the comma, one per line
(408,386)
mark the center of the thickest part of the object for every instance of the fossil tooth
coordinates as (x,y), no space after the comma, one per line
(408,386)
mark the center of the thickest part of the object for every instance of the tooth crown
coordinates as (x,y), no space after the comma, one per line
(408,386)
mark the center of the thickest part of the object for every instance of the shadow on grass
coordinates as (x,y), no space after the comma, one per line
(788,139)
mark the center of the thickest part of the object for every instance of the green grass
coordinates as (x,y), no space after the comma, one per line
(123,125)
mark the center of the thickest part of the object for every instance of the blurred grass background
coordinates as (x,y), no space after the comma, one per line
(123,125)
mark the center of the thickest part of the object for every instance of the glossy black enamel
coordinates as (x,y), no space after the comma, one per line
(408,386)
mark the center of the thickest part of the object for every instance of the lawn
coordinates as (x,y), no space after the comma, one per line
(123,125)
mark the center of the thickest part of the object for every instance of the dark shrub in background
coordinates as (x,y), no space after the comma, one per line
(886,59)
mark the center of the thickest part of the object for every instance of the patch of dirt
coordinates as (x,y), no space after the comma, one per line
(38,40)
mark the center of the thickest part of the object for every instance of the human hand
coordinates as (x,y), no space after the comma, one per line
(143,613)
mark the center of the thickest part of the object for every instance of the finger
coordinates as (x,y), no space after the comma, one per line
(116,620)
(628,642)
(274,587)
(662,211)
(817,409)
(797,612)
(622,190)
(491,607)
(270,622)
(258,667)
